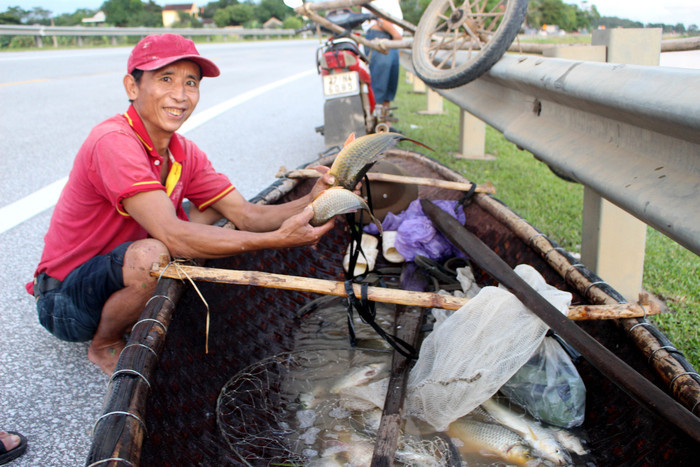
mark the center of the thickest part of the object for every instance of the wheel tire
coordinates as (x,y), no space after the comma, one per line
(478,62)
(382,128)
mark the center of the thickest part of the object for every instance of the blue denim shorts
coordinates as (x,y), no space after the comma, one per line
(72,311)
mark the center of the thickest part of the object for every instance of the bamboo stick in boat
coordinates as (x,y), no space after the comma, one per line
(407,323)
(393,178)
(377,294)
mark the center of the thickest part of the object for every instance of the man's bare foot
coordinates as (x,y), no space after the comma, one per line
(106,356)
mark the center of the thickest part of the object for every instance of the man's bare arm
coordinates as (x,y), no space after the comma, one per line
(154,211)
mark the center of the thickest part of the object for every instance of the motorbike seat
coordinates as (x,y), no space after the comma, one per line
(346,44)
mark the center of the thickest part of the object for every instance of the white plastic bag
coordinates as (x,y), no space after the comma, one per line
(474,351)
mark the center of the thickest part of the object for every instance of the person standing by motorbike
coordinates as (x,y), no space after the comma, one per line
(384,68)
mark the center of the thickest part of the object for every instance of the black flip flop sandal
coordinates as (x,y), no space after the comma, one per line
(7,456)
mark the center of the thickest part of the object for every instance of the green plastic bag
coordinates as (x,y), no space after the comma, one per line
(549,387)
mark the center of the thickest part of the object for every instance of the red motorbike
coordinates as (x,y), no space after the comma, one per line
(344,70)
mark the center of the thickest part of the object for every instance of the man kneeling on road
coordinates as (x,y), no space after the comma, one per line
(122,206)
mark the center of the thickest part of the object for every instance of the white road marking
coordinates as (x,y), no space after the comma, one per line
(45,198)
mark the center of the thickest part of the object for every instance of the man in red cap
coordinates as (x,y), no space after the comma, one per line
(122,207)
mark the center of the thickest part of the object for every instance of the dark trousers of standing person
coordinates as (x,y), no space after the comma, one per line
(384,69)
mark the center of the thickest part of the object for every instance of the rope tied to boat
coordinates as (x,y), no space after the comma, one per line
(181,272)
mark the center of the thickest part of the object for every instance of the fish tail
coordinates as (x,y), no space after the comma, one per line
(418,143)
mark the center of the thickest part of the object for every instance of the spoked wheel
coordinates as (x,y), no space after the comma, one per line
(459,40)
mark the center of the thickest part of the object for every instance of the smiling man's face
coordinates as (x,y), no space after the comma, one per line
(166,97)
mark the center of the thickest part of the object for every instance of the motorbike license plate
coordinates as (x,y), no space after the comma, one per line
(341,84)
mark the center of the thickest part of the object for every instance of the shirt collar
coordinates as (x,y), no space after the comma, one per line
(132,116)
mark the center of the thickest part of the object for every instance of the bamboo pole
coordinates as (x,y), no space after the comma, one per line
(393,178)
(376,294)
(306,10)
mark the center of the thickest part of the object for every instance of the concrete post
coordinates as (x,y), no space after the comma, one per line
(434,102)
(613,241)
(419,86)
(472,138)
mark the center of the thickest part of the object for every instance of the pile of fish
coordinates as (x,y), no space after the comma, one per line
(491,433)
(335,404)
(350,165)
(494,430)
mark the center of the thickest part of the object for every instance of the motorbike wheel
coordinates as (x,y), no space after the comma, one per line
(457,41)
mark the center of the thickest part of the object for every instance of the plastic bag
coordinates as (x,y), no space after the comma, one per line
(416,234)
(549,387)
(477,349)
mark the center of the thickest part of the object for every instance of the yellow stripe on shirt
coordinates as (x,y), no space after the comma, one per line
(173,177)
(216,198)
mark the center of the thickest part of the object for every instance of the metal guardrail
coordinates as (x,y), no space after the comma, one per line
(79,31)
(631,133)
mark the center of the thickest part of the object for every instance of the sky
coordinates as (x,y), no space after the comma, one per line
(646,11)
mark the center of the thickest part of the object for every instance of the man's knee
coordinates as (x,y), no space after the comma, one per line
(139,258)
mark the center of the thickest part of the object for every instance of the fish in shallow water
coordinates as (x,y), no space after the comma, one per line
(489,440)
(569,441)
(358,156)
(541,439)
(358,377)
(337,200)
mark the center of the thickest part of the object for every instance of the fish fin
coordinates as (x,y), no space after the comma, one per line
(350,139)
(377,223)
(532,433)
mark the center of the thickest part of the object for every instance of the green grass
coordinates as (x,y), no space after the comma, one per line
(554,206)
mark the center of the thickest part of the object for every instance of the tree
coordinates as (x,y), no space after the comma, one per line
(120,12)
(212,7)
(13,15)
(234,15)
(133,13)
(292,22)
(74,19)
(38,15)
(185,20)
(413,9)
(266,9)
(241,13)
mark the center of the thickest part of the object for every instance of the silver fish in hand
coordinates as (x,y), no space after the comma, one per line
(337,200)
(358,156)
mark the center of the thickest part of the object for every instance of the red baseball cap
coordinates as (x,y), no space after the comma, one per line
(156,51)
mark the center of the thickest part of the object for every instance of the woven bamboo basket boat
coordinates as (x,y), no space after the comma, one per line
(161,404)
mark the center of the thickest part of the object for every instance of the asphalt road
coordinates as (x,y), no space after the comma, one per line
(258,115)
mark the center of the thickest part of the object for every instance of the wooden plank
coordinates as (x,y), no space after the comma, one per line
(407,324)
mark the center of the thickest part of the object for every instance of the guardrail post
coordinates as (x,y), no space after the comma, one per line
(410,77)
(613,241)
(419,86)
(434,102)
(472,137)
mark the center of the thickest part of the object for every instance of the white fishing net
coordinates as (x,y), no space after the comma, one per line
(471,353)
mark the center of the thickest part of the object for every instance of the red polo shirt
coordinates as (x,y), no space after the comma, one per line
(118,160)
